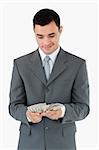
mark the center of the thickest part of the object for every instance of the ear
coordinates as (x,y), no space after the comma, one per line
(61,29)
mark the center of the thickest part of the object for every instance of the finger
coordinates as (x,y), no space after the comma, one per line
(36,120)
(43,114)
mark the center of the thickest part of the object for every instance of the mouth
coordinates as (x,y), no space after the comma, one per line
(47,46)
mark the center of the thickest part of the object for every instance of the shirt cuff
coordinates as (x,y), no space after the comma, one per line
(28,119)
(63,110)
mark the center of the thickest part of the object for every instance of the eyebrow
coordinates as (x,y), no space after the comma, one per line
(51,33)
(39,35)
(48,34)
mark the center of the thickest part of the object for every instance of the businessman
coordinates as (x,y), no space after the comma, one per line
(52,80)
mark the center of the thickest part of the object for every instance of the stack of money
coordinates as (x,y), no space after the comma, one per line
(42,107)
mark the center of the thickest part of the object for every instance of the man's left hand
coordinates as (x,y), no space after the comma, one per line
(54,113)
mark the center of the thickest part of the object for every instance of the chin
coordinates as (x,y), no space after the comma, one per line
(48,51)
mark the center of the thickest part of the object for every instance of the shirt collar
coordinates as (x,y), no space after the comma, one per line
(52,55)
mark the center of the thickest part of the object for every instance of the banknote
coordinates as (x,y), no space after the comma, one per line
(42,107)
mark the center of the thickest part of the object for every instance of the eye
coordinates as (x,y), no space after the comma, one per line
(40,37)
(51,36)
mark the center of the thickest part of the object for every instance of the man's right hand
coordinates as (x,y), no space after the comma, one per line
(35,117)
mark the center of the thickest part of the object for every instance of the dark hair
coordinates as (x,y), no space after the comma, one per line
(45,16)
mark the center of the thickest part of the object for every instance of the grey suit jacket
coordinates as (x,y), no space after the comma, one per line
(68,84)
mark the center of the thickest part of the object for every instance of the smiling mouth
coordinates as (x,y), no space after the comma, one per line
(47,47)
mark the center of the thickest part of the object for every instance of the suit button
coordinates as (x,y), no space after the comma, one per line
(46,128)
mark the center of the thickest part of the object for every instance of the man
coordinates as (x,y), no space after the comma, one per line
(48,96)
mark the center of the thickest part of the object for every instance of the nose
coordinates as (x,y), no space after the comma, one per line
(46,41)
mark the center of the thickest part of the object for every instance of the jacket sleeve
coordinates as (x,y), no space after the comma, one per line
(17,105)
(78,109)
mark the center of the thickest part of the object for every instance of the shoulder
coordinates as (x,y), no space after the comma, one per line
(74,62)
(72,57)
(25,57)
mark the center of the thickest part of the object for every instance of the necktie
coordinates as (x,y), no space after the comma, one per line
(47,66)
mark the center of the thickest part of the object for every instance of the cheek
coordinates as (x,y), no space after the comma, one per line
(56,39)
(39,42)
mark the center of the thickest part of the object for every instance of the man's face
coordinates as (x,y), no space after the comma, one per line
(48,37)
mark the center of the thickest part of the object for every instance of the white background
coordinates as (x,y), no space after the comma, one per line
(79,20)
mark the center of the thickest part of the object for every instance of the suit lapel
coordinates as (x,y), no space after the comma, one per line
(37,67)
(59,66)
